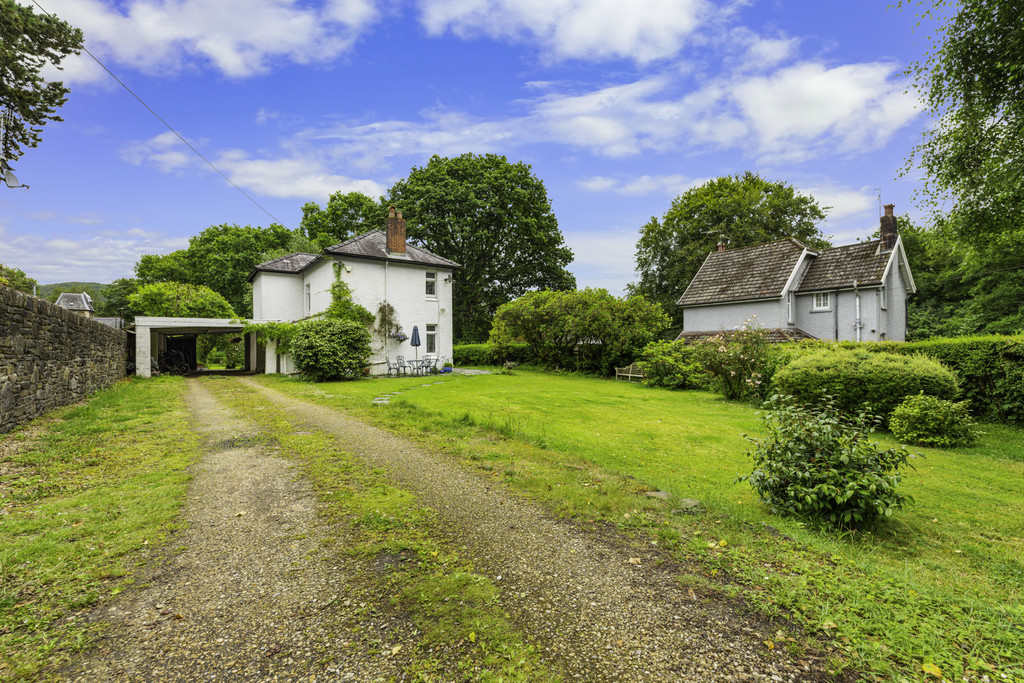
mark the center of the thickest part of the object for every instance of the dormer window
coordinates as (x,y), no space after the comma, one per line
(431,284)
(822,301)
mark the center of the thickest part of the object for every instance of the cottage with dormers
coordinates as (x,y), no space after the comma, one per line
(379,266)
(854,292)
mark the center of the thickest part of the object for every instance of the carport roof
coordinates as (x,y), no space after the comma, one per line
(189,325)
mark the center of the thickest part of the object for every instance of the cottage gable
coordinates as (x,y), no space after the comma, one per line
(857,291)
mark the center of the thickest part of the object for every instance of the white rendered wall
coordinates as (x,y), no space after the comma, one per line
(277,296)
(770,314)
(403,285)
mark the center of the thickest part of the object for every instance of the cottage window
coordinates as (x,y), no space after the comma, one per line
(431,338)
(789,308)
(308,309)
(822,301)
(431,284)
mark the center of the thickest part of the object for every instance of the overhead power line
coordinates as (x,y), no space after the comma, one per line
(169,127)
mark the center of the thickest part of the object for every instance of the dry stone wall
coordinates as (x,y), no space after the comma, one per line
(50,357)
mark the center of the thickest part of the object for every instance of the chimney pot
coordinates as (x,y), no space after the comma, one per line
(887,229)
(721,246)
(395,230)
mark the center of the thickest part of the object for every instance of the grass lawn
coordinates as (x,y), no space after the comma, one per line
(935,589)
(84,493)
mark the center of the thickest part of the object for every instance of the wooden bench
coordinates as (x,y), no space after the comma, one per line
(629,373)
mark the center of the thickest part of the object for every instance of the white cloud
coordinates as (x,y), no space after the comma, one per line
(641,30)
(804,106)
(102,258)
(298,176)
(239,38)
(670,184)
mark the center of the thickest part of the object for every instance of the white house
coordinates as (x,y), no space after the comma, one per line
(853,292)
(380,268)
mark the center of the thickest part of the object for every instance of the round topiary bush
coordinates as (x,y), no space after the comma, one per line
(330,349)
(929,421)
(856,377)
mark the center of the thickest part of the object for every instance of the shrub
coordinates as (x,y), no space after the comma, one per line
(588,330)
(929,421)
(487,354)
(736,360)
(671,364)
(990,370)
(817,463)
(857,377)
(329,349)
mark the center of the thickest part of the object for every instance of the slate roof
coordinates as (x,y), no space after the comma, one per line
(838,267)
(758,272)
(775,335)
(373,245)
(75,302)
(292,263)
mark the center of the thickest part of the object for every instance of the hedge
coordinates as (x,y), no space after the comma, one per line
(486,354)
(857,377)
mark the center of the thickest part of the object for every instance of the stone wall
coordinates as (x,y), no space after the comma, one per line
(50,357)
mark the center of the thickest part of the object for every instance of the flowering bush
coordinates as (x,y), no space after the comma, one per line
(736,360)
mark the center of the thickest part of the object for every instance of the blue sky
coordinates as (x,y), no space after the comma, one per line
(618,105)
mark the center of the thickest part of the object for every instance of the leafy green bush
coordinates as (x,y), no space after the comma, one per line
(929,421)
(736,360)
(671,364)
(329,349)
(990,370)
(488,354)
(234,354)
(587,330)
(857,377)
(817,463)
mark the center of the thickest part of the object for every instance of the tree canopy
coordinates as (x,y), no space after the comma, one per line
(494,218)
(28,43)
(17,279)
(962,290)
(345,215)
(179,300)
(740,210)
(972,83)
(220,257)
(587,329)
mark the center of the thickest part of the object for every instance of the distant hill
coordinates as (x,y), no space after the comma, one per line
(93,289)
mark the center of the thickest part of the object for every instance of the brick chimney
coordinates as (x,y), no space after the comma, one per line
(888,229)
(721,246)
(395,231)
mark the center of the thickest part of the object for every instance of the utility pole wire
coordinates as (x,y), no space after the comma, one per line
(161,120)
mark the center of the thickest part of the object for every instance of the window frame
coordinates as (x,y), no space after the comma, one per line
(430,335)
(821,301)
(430,288)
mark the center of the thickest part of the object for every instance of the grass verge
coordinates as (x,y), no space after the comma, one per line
(935,592)
(85,493)
(464,634)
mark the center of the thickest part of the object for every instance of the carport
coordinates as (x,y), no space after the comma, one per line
(151,337)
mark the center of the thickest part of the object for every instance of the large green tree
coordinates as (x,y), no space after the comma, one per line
(17,279)
(115,299)
(345,215)
(220,257)
(28,43)
(961,289)
(739,210)
(972,83)
(494,218)
(179,300)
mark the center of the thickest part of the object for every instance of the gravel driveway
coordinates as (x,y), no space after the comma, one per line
(253,596)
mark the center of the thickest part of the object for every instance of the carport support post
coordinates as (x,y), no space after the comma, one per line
(143,341)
